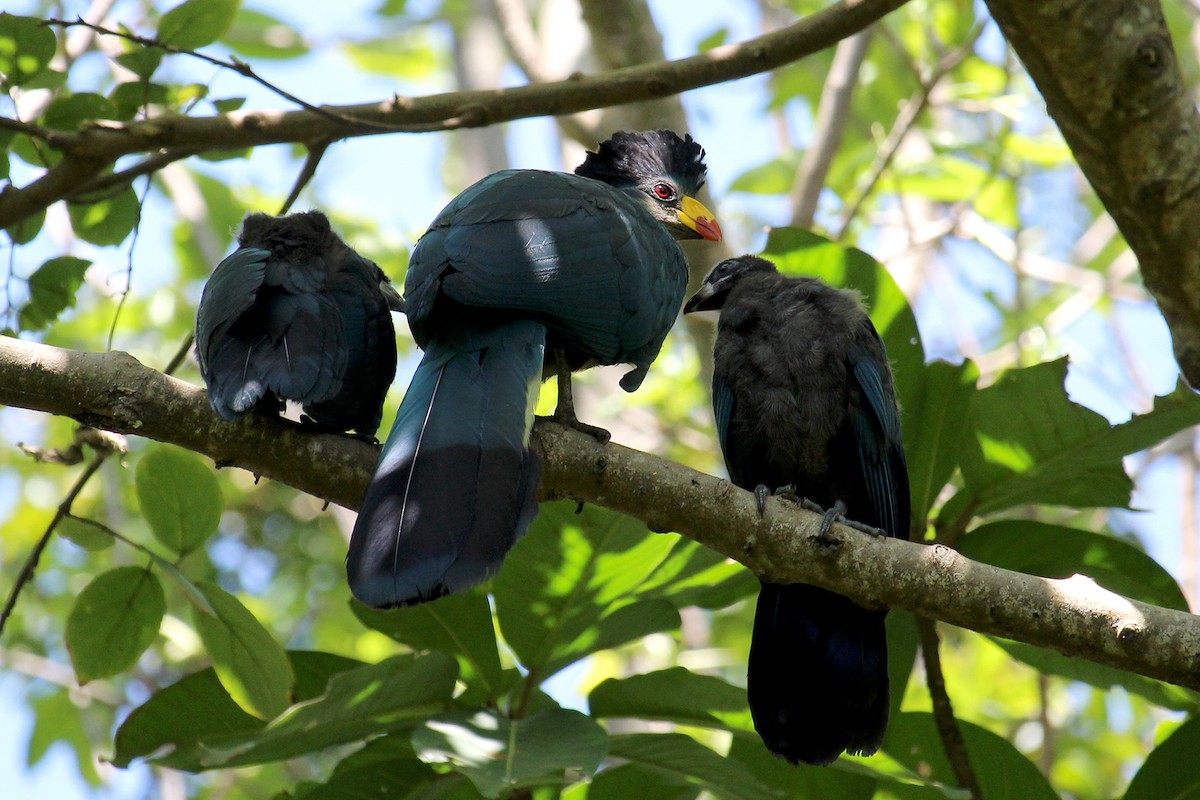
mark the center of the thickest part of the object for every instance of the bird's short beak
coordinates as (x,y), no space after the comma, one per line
(693,214)
(697,301)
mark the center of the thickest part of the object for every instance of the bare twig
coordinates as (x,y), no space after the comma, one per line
(64,508)
(833,112)
(943,712)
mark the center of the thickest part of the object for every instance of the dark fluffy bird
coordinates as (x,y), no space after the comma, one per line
(804,399)
(523,270)
(295,314)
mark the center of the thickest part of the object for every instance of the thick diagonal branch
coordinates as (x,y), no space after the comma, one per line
(113,391)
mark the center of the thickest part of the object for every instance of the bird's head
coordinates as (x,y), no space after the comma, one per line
(663,171)
(716,287)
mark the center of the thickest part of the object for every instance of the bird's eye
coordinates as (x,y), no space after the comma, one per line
(664,192)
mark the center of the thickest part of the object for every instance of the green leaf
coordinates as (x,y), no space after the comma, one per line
(693,575)
(180,498)
(131,97)
(460,625)
(106,222)
(408,55)
(68,113)
(195,23)
(113,620)
(26,48)
(261,36)
(385,768)
(675,695)
(1031,444)
(774,177)
(568,588)
(685,762)
(1056,551)
(1003,772)
(141,61)
(358,703)
(250,664)
(499,754)
(84,533)
(843,780)
(935,428)
(176,720)
(1049,662)
(1170,771)
(59,720)
(52,289)
(631,780)
(27,229)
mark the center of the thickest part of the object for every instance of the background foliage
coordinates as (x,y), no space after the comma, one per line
(189,632)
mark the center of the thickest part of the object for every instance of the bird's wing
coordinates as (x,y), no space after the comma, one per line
(877,434)
(571,252)
(229,293)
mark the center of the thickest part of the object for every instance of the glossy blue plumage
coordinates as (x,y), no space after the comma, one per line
(519,265)
(803,397)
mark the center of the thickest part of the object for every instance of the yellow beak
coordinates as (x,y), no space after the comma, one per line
(693,214)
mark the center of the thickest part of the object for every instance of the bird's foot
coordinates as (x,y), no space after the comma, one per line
(569,420)
(788,493)
(835,514)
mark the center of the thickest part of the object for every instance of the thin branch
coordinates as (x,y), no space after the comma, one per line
(64,508)
(905,121)
(118,181)
(833,114)
(315,153)
(1073,615)
(234,65)
(88,152)
(943,711)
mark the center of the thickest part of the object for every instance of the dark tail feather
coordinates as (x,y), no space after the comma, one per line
(456,484)
(817,677)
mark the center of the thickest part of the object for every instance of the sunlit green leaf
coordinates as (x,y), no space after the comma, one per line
(774,177)
(26,47)
(82,533)
(500,755)
(408,55)
(568,587)
(195,23)
(250,664)
(1003,772)
(802,781)
(70,112)
(131,97)
(59,720)
(262,36)
(108,221)
(113,620)
(52,290)
(179,497)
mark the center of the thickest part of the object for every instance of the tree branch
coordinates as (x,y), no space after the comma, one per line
(1131,123)
(1075,616)
(89,151)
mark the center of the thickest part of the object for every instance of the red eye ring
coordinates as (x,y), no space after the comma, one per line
(664,192)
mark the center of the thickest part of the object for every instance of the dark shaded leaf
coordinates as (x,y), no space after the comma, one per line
(52,290)
(683,761)
(935,428)
(676,695)
(68,113)
(460,625)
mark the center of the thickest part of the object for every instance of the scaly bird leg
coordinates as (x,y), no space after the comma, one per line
(564,412)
